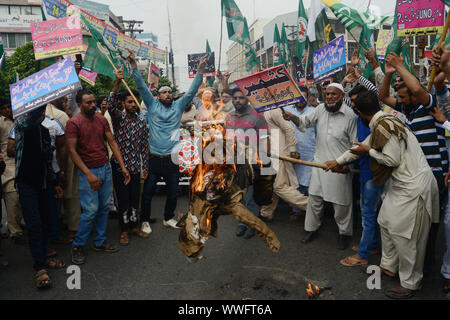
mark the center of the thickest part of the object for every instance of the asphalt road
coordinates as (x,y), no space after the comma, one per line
(234,268)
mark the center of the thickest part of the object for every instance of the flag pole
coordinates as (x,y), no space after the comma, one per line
(220,44)
(359,44)
(305,69)
(444,35)
(123,80)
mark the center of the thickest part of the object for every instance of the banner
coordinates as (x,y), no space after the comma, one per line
(384,39)
(99,10)
(17,23)
(153,76)
(57,37)
(47,85)
(118,40)
(270,89)
(416,17)
(194,61)
(88,76)
(329,59)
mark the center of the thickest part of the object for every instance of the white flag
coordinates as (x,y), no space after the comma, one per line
(314,11)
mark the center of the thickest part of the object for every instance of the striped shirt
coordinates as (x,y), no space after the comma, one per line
(430,134)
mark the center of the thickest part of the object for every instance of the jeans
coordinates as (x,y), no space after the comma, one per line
(94,206)
(127,197)
(250,203)
(370,200)
(165,168)
(53,228)
(36,213)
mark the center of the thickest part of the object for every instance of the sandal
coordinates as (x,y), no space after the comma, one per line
(353,261)
(124,240)
(42,279)
(53,263)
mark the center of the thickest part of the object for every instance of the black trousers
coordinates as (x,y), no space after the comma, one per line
(127,197)
(432,236)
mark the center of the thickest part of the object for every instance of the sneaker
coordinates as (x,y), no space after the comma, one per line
(78,256)
(105,247)
(145,229)
(170,223)
(250,233)
(241,230)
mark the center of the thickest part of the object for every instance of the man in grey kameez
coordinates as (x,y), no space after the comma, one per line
(336,131)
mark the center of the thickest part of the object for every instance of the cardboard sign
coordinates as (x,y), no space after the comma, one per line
(383,41)
(418,17)
(57,37)
(47,85)
(88,76)
(153,76)
(329,59)
(270,89)
(194,61)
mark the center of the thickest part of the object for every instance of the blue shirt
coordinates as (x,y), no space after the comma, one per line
(164,123)
(364,163)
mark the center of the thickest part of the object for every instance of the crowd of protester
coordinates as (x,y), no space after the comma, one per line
(72,162)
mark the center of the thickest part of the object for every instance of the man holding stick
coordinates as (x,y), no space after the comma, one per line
(336,131)
(411,201)
(164,117)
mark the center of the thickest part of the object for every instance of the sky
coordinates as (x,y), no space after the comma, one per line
(194,21)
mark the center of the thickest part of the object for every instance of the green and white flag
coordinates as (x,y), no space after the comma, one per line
(287,49)
(95,59)
(319,29)
(301,47)
(360,25)
(2,56)
(209,80)
(278,48)
(238,31)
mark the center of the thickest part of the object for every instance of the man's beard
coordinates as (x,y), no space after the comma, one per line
(90,112)
(333,107)
(167,103)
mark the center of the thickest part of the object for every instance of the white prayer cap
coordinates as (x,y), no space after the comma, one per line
(337,85)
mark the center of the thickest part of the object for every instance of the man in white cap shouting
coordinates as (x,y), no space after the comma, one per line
(336,132)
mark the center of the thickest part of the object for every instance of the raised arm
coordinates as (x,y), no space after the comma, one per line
(187,98)
(112,102)
(144,91)
(304,122)
(410,80)
(384,94)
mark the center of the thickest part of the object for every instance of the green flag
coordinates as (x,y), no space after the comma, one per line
(2,56)
(400,46)
(301,46)
(209,80)
(238,31)
(438,37)
(278,48)
(361,26)
(95,58)
(287,50)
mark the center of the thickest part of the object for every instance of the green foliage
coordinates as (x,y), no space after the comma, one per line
(22,62)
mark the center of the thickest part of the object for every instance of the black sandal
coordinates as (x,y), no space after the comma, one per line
(42,281)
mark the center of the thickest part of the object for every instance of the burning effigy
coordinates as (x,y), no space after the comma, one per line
(217,189)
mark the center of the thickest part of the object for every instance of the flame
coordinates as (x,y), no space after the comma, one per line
(309,290)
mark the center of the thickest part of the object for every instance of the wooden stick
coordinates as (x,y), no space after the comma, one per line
(123,80)
(444,35)
(359,44)
(308,163)
(305,69)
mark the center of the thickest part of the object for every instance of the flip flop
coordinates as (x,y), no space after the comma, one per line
(353,261)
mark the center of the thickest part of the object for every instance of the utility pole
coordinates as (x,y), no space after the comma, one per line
(171,58)
(130,28)
(167,64)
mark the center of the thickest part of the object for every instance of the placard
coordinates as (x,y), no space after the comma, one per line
(383,41)
(420,17)
(88,76)
(153,76)
(329,59)
(45,86)
(57,37)
(194,61)
(270,89)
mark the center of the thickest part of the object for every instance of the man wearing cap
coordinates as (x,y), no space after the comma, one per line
(164,118)
(336,131)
